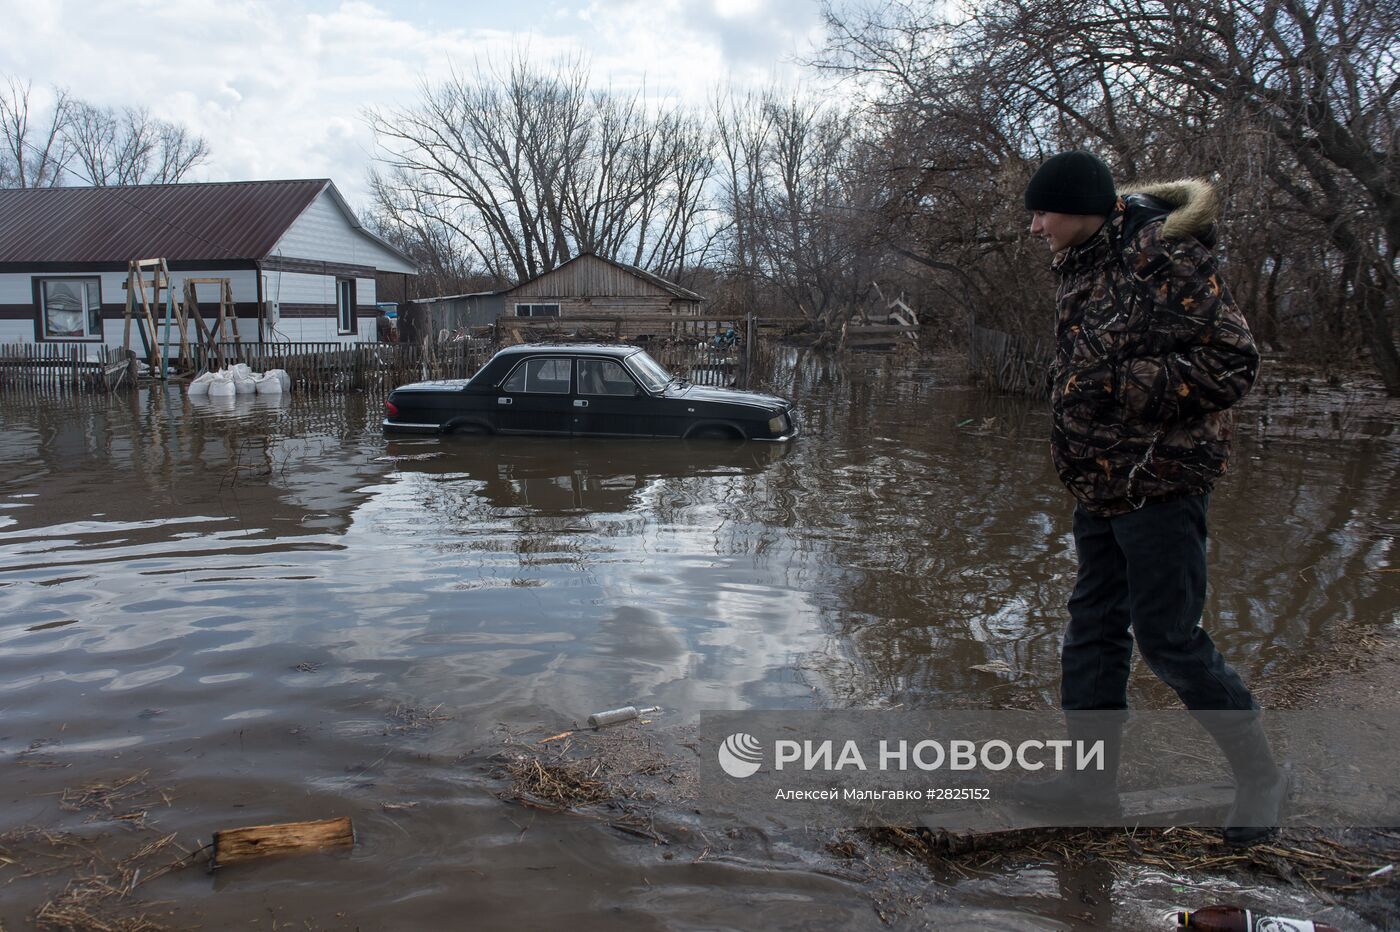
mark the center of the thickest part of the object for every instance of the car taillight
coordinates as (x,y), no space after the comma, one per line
(391,409)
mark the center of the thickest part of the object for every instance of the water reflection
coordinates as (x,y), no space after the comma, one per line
(237,594)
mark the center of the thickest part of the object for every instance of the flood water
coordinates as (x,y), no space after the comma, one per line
(277,623)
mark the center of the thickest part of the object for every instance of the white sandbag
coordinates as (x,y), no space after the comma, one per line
(244,381)
(269,384)
(221,386)
(282,377)
(200,386)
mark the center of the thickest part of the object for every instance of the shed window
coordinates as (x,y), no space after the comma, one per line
(70,308)
(537,310)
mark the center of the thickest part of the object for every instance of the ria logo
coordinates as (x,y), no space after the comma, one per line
(740,755)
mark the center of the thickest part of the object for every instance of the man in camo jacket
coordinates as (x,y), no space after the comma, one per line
(1151,352)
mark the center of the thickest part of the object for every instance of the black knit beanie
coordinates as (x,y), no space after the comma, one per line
(1072,183)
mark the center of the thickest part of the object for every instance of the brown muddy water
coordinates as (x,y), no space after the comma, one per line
(254,606)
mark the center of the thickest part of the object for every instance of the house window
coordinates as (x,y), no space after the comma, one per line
(345,304)
(537,310)
(70,308)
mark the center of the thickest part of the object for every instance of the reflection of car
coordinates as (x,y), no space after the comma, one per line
(584,390)
(547,477)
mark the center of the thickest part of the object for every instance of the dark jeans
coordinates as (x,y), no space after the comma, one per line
(1142,576)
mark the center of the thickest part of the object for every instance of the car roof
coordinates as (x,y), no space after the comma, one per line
(593,349)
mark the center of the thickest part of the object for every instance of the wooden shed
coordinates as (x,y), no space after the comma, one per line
(589,285)
(451,313)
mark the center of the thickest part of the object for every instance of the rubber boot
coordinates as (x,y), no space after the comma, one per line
(1261,786)
(1088,797)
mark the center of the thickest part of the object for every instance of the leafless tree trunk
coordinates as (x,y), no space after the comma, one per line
(33,156)
(129,146)
(525,169)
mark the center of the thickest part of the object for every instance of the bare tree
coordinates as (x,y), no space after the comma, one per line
(526,168)
(35,154)
(796,207)
(443,267)
(129,146)
(1291,104)
(1320,79)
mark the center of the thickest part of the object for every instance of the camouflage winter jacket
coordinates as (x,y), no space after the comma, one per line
(1151,351)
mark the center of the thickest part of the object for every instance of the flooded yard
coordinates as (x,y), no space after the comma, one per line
(274,613)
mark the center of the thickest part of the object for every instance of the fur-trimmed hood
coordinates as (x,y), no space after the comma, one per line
(1194,202)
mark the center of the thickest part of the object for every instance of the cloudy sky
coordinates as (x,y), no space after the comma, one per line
(278,87)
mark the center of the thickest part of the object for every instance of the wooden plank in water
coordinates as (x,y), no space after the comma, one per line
(261,841)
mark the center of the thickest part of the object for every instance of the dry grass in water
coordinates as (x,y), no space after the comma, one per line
(412,719)
(1348,651)
(558,785)
(127,800)
(593,774)
(97,897)
(35,756)
(1321,864)
(36,852)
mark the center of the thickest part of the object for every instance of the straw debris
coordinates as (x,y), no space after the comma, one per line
(614,776)
(98,893)
(558,785)
(37,852)
(127,800)
(98,898)
(412,719)
(1310,859)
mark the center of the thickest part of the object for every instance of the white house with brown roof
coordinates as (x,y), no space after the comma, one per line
(301,266)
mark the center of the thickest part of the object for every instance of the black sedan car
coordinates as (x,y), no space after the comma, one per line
(584,390)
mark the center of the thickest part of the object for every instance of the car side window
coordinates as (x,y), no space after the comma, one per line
(549,376)
(604,377)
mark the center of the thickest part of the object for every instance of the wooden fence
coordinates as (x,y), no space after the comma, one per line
(351,367)
(746,361)
(1008,364)
(61,367)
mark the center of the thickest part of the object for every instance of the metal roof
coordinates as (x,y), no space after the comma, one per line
(229,220)
(658,281)
(669,287)
(459,297)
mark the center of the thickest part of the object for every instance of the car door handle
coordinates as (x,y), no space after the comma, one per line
(504,401)
(580,403)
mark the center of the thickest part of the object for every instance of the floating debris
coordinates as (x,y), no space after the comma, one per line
(616,716)
(409,457)
(127,800)
(49,625)
(413,719)
(235,845)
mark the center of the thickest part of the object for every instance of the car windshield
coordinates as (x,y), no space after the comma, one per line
(648,371)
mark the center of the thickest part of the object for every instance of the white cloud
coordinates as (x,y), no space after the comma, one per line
(278,88)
